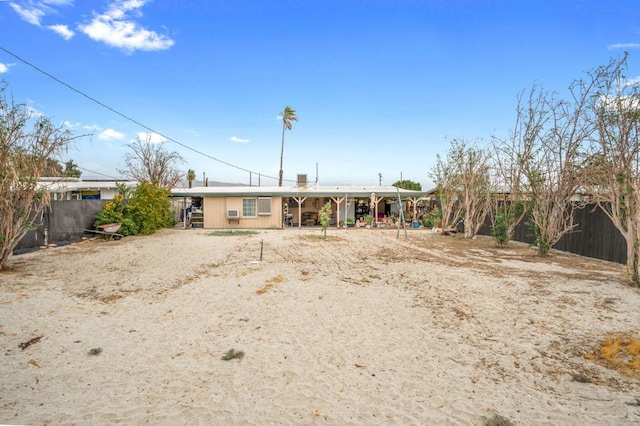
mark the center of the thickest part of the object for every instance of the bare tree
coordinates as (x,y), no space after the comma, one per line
(53,168)
(613,170)
(463,186)
(447,179)
(475,185)
(28,144)
(510,201)
(147,161)
(549,155)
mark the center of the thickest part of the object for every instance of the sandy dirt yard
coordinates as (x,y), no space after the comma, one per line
(360,328)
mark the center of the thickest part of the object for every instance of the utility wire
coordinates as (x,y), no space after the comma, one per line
(126,117)
(97,173)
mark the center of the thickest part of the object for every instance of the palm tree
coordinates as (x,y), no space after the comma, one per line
(191,176)
(288,116)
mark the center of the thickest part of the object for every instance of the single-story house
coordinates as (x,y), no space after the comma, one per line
(66,188)
(258,207)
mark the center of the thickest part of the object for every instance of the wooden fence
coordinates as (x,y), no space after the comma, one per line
(595,236)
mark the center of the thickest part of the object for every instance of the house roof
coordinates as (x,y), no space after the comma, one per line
(76,184)
(296,191)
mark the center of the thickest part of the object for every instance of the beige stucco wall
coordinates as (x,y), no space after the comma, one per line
(215,214)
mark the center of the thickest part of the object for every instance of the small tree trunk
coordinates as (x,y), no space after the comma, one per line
(468,227)
(543,247)
(633,256)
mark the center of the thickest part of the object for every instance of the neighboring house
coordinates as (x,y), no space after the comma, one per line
(63,188)
(252,207)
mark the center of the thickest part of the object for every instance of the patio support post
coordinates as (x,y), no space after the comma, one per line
(184,212)
(374,199)
(414,203)
(300,200)
(338,200)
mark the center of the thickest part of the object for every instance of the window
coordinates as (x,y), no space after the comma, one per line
(264,206)
(249,207)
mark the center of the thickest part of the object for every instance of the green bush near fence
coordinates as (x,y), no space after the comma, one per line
(145,211)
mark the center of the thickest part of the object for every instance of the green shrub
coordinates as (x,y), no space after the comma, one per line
(541,241)
(506,217)
(117,211)
(147,210)
(435,215)
(151,208)
(500,229)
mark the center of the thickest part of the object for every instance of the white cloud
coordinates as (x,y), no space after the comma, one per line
(117,29)
(33,109)
(62,30)
(4,68)
(110,134)
(34,11)
(86,129)
(238,140)
(69,125)
(151,137)
(623,46)
(632,82)
(620,102)
(58,2)
(32,14)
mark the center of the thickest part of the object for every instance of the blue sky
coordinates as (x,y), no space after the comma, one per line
(380,87)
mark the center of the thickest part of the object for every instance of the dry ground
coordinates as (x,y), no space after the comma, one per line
(363,327)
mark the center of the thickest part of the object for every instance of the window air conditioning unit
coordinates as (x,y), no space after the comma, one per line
(233,214)
(302,180)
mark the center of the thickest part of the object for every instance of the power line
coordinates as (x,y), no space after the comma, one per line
(96,173)
(126,117)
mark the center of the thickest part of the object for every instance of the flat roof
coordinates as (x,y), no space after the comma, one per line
(65,185)
(296,191)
